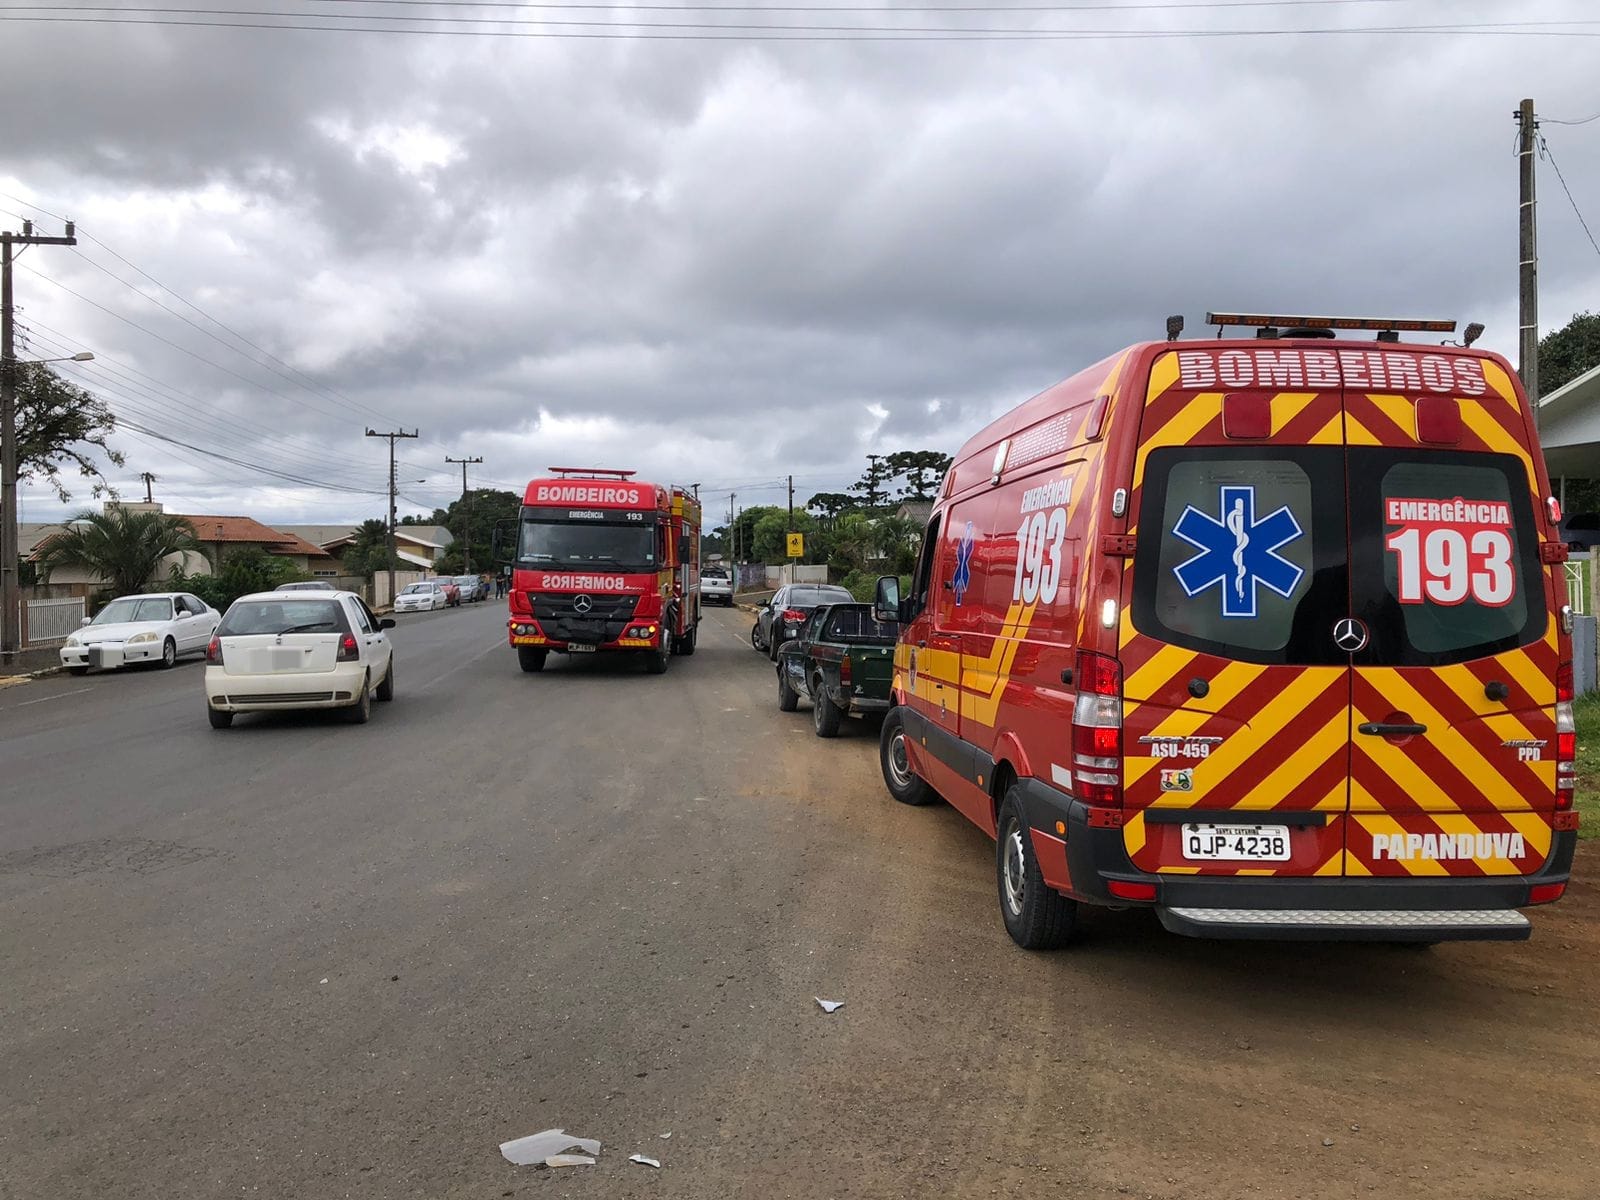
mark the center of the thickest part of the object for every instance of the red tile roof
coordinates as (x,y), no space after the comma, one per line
(249,530)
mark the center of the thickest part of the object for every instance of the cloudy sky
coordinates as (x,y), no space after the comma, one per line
(723,245)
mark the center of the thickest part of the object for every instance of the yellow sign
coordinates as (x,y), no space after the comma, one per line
(797,545)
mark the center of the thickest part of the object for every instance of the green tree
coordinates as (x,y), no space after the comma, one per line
(473,526)
(244,570)
(770,538)
(1569,352)
(854,541)
(58,426)
(744,529)
(872,489)
(897,539)
(1563,356)
(923,470)
(369,552)
(126,549)
(830,506)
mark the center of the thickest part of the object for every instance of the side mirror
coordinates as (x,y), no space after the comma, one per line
(503,542)
(386,623)
(85,621)
(886,604)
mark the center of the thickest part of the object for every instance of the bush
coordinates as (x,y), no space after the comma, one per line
(249,569)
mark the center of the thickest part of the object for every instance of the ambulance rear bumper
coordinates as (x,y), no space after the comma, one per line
(1309,909)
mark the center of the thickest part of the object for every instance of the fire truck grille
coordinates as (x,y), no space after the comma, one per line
(604,622)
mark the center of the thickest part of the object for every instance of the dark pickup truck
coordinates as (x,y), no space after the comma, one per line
(843,661)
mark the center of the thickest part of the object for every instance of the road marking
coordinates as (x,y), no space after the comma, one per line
(58,696)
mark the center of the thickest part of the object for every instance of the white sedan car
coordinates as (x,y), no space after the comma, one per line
(285,650)
(159,627)
(421,597)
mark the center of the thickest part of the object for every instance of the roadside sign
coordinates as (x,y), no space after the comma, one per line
(797,545)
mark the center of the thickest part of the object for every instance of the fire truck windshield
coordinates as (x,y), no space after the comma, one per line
(623,548)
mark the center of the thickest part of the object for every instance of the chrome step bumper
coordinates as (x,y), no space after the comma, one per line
(1326,924)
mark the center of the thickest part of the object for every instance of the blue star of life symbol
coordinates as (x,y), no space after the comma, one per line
(1238,553)
(962,579)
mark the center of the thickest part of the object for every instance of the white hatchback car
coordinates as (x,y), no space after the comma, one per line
(158,627)
(283,650)
(421,597)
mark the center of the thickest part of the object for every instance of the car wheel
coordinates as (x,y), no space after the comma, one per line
(1036,915)
(825,713)
(657,660)
(360,712)
(774,641)
(169,654)
(77,670)
(894,756)
(755,637)
(531,660)
(788,698)
(386,688)
(219,720)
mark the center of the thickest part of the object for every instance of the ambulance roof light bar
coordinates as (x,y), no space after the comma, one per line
(1277,321)
(590,473)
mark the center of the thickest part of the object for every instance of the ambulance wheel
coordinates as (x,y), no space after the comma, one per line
(825,713)
(656,661)
(1037,917)
(788,698)
(531,660)
(894,756)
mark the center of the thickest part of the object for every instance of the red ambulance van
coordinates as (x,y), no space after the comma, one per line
(1268,633)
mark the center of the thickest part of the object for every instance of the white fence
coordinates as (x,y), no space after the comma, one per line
(48,622)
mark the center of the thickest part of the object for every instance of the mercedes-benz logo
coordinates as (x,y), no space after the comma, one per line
(1350,635)
(585,602)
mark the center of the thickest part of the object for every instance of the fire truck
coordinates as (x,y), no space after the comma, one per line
(600,563)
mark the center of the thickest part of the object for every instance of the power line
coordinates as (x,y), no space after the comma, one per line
(1554,121)
(1545,152)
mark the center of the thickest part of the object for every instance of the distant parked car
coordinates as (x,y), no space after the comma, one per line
(421,597)
(472,589)
(298,650)
(716,586)
(781,617)
(843,661)
(452,593)
(159,627)
(306,585)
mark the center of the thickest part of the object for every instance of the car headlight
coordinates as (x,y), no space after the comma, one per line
(143,637)
(73,640)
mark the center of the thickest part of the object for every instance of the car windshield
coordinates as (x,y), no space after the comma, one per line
(714,573)
(416,589)
(135,608)
(282,616)
(570,544)
(466,581)
(810,597)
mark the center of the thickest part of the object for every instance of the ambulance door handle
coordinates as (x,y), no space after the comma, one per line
(1380,729)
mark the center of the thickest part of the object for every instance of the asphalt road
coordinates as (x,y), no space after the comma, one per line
(304,959)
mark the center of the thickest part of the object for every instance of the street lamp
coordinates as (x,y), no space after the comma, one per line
(10,527)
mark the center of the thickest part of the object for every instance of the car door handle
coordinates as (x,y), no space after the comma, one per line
(1382,729)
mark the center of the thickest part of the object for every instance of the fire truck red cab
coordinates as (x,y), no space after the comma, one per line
(1267,633)
(601,562)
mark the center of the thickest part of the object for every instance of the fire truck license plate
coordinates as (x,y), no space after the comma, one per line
(1248,843)
(579,648)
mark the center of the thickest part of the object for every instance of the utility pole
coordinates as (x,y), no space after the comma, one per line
(149,480)
(399,433)
(10,460)
(1528,244)
(466,513)
(790,527)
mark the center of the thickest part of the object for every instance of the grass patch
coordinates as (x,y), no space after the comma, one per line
(1587,711)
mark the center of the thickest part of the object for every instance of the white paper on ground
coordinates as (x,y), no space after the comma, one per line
(536,1147)
(569,1160)
(649,1162)
(665,1137)
(828,1006)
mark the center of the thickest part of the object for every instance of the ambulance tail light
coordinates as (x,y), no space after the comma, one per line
(1566,739)
(1097,730)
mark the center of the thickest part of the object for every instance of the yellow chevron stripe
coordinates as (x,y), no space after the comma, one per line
(1357,434)
(1449,741)
(1134,834)
(1163,375)
(1298,766)
(1500,383)
(1533,681)
(1353,866)
(1378,823)
(1334,865)
(1496,437)
(1179,431)
(1398,409)
(1331,434)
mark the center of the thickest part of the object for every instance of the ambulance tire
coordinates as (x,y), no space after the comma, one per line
(531,660)
(788,698)
(893,757)
(1036,916)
